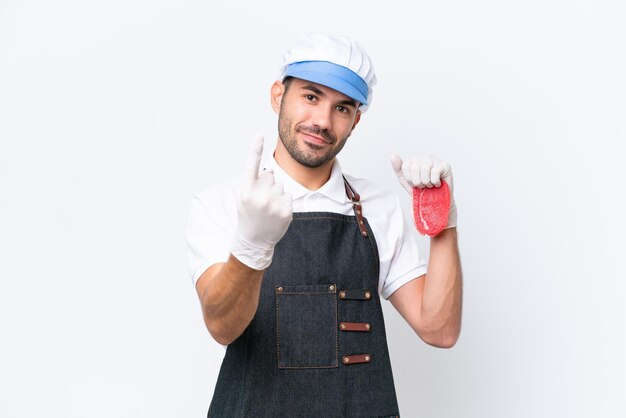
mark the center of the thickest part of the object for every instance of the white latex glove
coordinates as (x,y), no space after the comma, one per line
(264,212)
(425,171)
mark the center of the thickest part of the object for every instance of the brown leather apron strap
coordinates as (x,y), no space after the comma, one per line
(356,204)
(355,294)
(356,359)
(355,326)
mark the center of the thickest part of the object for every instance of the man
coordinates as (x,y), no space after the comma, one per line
(290,260)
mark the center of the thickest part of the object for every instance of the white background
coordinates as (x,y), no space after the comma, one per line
(113,114)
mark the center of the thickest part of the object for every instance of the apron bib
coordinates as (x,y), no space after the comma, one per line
(317,345)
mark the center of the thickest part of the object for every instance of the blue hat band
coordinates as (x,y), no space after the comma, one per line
(331,75)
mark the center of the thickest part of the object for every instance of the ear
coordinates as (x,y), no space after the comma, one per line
(276,95)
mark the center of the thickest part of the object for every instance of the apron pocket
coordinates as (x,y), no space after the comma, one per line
(306,326)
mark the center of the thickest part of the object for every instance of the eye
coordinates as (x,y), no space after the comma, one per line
(310,97)
(342,109)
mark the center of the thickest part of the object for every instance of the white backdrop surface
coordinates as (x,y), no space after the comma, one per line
(114,114)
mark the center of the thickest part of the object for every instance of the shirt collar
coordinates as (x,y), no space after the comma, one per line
(333,189)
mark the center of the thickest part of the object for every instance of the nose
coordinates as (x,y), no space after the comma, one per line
(322,118)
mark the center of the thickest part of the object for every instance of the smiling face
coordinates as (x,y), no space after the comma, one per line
(314,121)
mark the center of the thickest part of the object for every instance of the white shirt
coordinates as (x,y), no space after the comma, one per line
(213,220)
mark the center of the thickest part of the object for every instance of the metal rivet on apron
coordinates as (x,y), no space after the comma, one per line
(332,287)
(364,233)
(361,222)
(358,212)
(343,326)
(367,326)
(367,358)
(368,295)
(342,294)
(279,289)
(346,360)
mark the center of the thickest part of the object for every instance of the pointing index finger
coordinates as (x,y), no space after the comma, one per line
(254,158)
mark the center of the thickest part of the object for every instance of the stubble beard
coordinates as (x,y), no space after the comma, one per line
(307,158)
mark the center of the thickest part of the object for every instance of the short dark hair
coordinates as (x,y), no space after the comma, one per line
(287,82)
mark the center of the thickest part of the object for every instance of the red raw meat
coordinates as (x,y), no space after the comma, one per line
(430,209)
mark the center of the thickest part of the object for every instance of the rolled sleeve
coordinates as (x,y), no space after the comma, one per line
(402,280)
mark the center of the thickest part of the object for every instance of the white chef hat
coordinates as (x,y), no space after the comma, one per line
(333,61)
